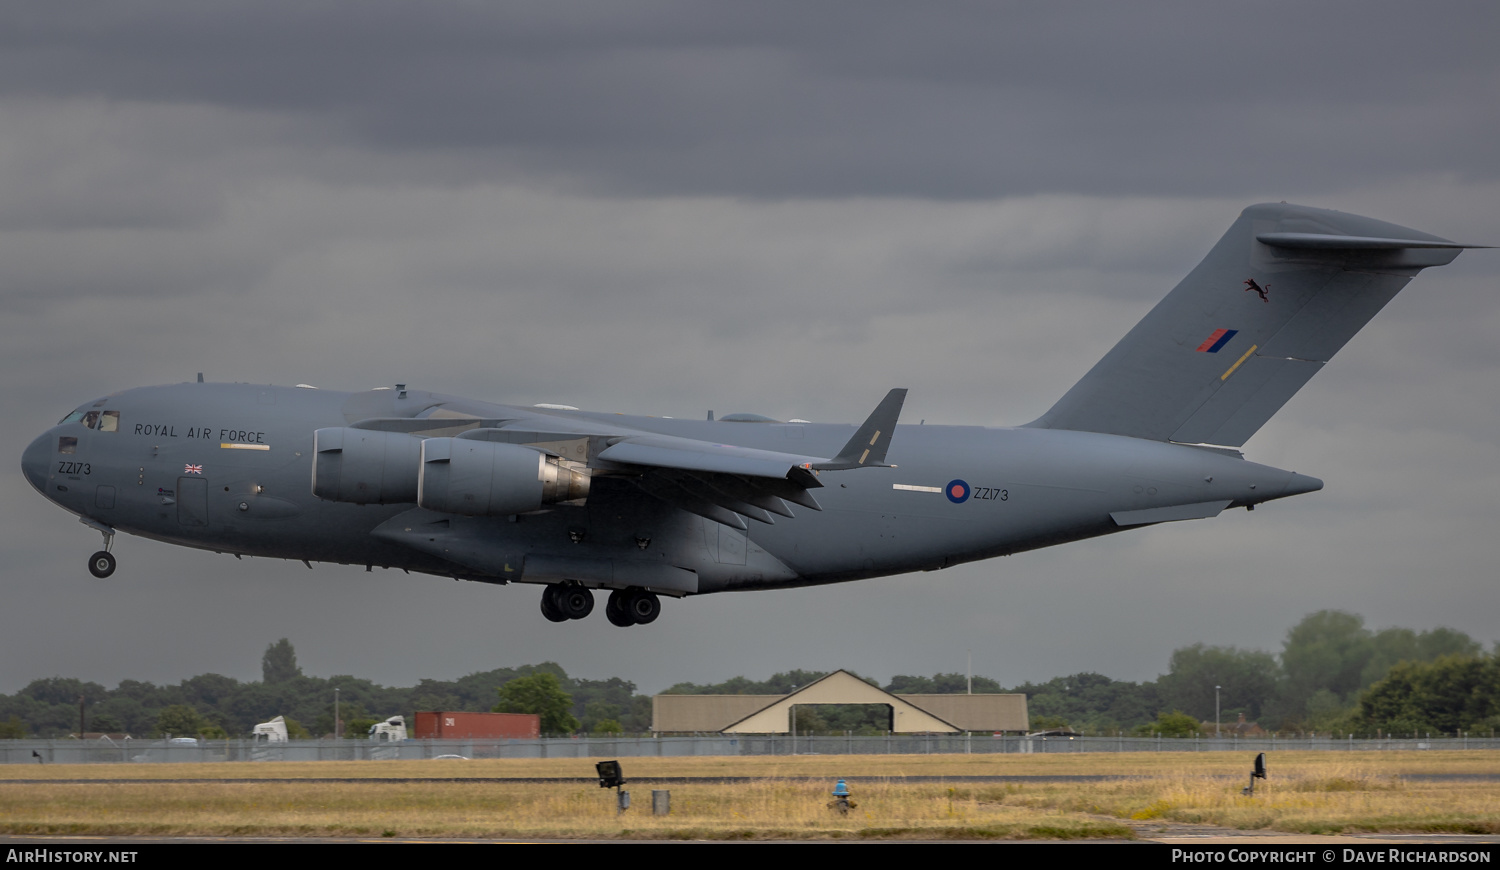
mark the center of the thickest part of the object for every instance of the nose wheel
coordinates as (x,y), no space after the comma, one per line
(102,564)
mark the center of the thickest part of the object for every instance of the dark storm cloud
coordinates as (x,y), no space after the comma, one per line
(953,100)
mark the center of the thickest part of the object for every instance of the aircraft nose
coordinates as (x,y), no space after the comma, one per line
(36,460)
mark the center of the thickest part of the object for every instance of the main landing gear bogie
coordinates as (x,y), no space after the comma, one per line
(561,603)
(635,606)
(632,606)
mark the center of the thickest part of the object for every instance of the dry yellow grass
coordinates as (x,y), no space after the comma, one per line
(795,809)
(1316,797)
(1308,792)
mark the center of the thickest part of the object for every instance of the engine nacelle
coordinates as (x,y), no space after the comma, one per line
(365,466)
(488,478)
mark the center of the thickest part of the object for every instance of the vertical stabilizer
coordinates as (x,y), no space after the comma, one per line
(1274,300)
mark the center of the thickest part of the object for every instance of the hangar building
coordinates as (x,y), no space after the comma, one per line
(772,714)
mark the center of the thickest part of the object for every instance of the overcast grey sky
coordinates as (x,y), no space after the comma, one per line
(663,207)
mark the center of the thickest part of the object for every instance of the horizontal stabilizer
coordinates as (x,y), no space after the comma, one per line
(1323,241)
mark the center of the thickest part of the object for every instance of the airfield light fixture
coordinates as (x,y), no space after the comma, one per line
(1259,772)
(611,776)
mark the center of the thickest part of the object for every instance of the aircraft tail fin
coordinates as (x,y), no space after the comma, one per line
(1280,293)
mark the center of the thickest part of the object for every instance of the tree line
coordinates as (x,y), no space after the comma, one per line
(214,705)
(1333,674)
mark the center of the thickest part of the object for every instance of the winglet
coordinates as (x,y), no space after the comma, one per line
(869,444)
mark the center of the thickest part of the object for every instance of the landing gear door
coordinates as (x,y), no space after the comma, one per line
(192,501)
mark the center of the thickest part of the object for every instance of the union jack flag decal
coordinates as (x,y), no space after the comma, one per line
(192,469)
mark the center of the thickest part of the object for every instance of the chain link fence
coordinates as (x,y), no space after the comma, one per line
(149,751)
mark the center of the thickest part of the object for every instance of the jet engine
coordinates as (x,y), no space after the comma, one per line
(488,478)
(364,466)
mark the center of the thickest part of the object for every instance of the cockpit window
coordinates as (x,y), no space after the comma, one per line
(67,444)
(104,421)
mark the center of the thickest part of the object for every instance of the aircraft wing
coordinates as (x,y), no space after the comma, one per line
(721,482)
(690,454)
(724,482)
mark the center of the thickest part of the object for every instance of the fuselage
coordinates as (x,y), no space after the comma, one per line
(228,467)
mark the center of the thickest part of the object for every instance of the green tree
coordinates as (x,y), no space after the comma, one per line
(941,684)
(180,720)
(1326,650)
(542,694)
(359,729)
(279,664)
(1332,651)
(806,719)
(1092,702)
(1453,693)
(1248,678)
(1174,724)
(1392,645)
(105,724)
(130,715)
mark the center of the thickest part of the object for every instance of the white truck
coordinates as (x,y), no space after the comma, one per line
(273,731)
(392,730)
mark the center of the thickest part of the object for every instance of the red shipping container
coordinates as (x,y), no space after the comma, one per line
(449,726)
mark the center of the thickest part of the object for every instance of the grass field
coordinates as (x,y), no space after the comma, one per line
(1307,793)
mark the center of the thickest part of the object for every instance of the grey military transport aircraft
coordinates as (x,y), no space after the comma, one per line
(651,506)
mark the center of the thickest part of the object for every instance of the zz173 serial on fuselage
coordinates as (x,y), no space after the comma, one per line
(646,507)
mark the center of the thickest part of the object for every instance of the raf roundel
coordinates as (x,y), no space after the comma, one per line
(957,491)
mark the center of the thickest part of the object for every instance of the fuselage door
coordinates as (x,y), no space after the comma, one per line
(192,501)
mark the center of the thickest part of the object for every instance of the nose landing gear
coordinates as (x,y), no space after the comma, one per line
(102,563)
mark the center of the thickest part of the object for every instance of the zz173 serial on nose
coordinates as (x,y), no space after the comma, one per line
(648,507)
